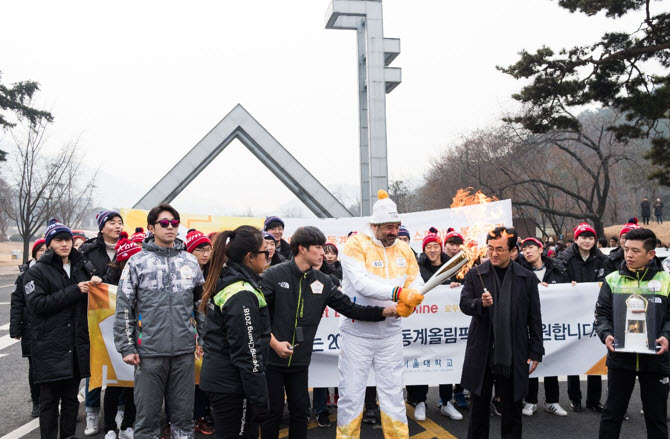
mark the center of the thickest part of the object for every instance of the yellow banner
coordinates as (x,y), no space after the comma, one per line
(204,223)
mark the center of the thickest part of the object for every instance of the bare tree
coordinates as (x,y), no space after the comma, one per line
(44,185)
(401,194)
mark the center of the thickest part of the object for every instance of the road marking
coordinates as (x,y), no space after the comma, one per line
(4,327)
(23,430)
(8,285)
(4,303)
(6,341)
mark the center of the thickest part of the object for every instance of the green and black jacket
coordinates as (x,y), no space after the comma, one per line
(608,300)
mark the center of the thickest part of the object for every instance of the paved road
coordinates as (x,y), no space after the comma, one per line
(15,405)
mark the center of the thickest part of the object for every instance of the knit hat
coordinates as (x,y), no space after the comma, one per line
(105,216)
(194,239)
(37,245)
(583,228)
(632,220)
(432,236)
(531,241)
(54,228)
(384,210)
(138,236)
(272,219)
(331,245)
(125,248)
(454,236)
(627,228)
(404,232)
(269,236)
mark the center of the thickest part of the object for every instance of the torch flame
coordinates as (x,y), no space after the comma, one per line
(464,197)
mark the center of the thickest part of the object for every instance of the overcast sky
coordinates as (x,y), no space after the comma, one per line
(140,83)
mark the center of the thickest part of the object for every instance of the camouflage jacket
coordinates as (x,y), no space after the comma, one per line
(157,302)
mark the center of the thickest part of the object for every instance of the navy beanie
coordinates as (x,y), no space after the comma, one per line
(269,236)
(105,216)
(272,219)
(54,228)
(404,232)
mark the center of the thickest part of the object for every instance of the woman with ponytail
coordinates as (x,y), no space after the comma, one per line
(236,334)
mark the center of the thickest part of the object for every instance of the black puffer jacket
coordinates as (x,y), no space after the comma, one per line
(555,273)
(594,269)
(95,251)
(60,330)
(277,258)
(335,269)
(427,269)
(284,249)
(615,259)
(236,338)
(20,318)
(298,299)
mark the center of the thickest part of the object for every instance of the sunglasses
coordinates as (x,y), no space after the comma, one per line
(165,223)
(266,252)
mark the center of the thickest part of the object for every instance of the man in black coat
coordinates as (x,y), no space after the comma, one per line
(56,290)
(585,263)
(645,210)
(505,335)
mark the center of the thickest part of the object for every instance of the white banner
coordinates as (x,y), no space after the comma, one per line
(471,221)
(435,338)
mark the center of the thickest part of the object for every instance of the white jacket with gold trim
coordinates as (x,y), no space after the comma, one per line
(370,272)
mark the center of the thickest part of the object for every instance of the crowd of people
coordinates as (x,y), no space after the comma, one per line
(249,303)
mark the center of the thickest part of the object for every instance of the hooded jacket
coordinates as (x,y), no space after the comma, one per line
(297,300)
(555,273)
(60,325)
(236,338)
(157,300)
(612,305)
(371,271)
(594,269)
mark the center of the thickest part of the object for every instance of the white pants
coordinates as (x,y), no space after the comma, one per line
(358,355)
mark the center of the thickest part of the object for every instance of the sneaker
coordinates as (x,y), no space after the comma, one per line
(449,410)
(576,406)
(204,427)
(596,407)
(528,409)
(420,411)
(91,424)
(555,408)
(323,420)
(461,402)
(370,416)
(119,419)
(127,433)
(35,412)
(111,434)
(495,407)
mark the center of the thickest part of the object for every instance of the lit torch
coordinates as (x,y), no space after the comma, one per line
(451,267)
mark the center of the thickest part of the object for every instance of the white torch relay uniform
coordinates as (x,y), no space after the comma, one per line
(371,272)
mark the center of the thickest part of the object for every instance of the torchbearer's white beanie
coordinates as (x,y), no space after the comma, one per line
(384,210)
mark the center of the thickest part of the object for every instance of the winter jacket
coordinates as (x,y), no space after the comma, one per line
(658,209)
(95,251)
(527,330)
(555,273)
(427,268)
(297,300)
(236,338)
(612,305)
(335,269)
(615,259)
(371,272)
(331,270)
(594,269)
(645,209)
(60,326)
(284,249)
(157,300)
(20,318)
(277,258)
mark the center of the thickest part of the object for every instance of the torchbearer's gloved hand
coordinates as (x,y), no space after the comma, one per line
(407,296)
(404,310)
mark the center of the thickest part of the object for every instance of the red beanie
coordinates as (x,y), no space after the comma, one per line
(138,236)
(432,236)
(627,228)
(331,244)
(194,239)
(36,246)
(456,235)
(531,241)
(125,248)
(582,228)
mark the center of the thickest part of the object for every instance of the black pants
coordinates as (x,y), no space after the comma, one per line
(65,392)
(645,219)
(293,380)
(550,390)
(201,404)
(371,398)
(510,427)
(232,416)
(111,405)
(654,396)
(417,394)
(34,388)
(659,219)
(594,388)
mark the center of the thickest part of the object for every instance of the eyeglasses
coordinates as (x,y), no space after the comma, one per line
(265,252)
(498,250)
(165,223)
(205,250)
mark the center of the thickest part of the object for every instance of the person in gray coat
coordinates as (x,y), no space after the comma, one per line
(156,309)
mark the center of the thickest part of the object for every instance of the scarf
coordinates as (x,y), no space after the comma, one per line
(502,323)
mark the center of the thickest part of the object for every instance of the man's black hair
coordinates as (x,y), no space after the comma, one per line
(602,242)
(497,233)
(614,238)
(454,240)
(647,237)
(62,236)
(152,216)
(306,237)
(273,224)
